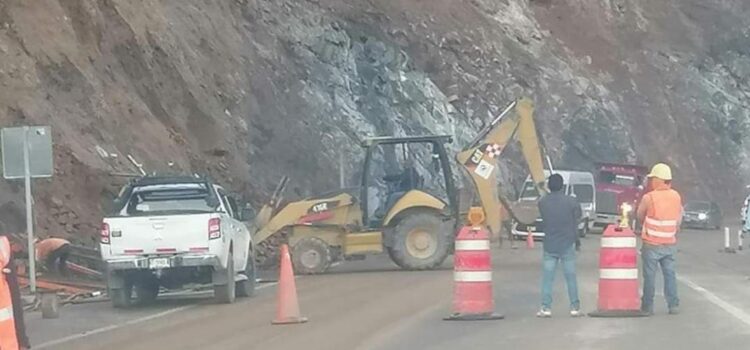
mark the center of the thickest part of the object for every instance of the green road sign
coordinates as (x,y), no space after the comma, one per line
(39,151)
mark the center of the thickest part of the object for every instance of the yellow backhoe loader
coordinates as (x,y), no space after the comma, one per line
(412,221)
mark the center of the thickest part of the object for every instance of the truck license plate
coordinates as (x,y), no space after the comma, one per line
(531,228)
(158,263)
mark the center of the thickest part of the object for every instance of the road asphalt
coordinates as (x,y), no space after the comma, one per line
(371,304)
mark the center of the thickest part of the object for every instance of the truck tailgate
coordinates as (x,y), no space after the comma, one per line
(158,234)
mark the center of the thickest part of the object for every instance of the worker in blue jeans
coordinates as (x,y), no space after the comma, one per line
(660,210)
(560,217)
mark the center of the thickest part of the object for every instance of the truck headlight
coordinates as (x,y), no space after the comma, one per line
(702,216)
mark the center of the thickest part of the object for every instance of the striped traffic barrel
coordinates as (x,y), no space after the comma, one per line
(472,276)
(618,274)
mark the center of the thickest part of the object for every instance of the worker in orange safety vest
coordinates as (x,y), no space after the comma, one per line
(12,330)
(660,211)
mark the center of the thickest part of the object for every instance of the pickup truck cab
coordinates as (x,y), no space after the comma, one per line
(175,231)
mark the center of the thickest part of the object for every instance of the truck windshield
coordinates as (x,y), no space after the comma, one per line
(697,206)
(529,191)
(584,193)
(618,179)
(192,199)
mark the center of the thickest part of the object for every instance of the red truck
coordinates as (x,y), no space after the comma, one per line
(617,184)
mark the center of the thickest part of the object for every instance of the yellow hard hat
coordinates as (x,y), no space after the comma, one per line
(661,171)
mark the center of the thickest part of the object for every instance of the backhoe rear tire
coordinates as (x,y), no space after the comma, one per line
(420,242)
(311,255)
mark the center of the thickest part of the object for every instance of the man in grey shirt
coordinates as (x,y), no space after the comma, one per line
(560,217)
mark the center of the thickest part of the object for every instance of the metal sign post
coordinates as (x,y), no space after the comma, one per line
(27,154)
(29,211)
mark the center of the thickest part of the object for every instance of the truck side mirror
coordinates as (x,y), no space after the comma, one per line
(247,213)
(213,202)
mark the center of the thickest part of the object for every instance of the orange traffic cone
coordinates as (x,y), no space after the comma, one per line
(287,307)
(530,240)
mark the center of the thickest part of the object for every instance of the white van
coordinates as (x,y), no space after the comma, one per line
(578,184)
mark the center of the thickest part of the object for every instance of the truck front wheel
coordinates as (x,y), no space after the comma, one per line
(585,230)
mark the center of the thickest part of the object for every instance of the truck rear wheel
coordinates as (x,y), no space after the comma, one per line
(146,289)
(419,242)
(311,255)
(246,288)
(225,293)
(122,297)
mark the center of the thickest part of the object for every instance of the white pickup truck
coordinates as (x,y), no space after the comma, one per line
(175,231)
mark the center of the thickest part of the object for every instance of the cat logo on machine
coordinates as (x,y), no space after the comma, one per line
(319,212)
(476,157)
(323,207)
(320,207)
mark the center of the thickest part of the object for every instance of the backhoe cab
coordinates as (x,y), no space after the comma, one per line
(406,205)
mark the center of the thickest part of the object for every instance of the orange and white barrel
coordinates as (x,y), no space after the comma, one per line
(472,276)
(618,274)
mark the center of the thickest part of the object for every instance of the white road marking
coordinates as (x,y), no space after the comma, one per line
(69,338)
(716,300)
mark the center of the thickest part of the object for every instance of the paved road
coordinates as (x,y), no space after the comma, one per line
(372,305)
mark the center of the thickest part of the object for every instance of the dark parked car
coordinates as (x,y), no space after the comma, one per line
(701,214)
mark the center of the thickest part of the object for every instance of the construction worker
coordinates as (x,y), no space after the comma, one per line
(12,329)
(660,211)
(560,217)
(53,253)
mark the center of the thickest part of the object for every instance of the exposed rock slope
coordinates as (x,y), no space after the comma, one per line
(250,90)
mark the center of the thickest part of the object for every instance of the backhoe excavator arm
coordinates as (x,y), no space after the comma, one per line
(479,158)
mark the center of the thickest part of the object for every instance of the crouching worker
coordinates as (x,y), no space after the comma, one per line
(53,253)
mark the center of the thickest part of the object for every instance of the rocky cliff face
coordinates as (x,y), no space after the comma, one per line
(250,90)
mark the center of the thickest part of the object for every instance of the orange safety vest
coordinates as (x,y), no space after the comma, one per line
(8,338)
(662,217)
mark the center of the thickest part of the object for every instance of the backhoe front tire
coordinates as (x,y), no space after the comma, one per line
(419,242)
(311,255)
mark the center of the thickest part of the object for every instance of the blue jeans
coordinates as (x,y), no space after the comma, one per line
(654,256)
(549,268)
